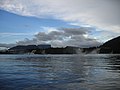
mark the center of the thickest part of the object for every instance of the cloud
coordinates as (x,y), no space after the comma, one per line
(27,41)
(3,45)
(63,37)
(14,34)
(76,31)
(103,14)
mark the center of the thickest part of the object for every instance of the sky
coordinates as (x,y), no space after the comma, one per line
(83,23)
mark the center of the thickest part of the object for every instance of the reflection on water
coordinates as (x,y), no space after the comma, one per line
(60,72)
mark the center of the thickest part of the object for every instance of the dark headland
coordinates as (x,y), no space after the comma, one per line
(110,47)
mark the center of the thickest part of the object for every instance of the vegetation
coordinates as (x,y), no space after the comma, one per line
(112,46)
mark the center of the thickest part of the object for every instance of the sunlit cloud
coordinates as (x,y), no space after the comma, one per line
(63,37)
(15,34)
(99,17)
(103,14)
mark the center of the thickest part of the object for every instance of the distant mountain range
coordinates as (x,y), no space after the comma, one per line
(110,47)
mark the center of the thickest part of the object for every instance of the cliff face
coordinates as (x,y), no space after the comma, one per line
(111,46)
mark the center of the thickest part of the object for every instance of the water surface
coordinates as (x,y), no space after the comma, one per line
(60,72)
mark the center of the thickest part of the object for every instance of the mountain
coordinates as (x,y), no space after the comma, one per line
(42,49)
(111,46)
(22,47)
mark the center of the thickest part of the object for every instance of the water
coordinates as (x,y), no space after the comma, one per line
(60,72)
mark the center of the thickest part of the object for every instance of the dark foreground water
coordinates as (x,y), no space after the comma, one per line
(60,72)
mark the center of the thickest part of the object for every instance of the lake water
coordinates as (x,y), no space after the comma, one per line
(60,72)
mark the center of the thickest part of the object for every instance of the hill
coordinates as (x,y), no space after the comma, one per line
(111,46)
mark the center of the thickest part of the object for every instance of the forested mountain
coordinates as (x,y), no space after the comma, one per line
(111,46)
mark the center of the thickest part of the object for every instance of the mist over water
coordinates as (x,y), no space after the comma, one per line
(93,51)
(60,72)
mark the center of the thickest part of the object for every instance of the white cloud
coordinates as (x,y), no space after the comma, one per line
(3,45)
(103,14)
(14,34)
(63,37)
